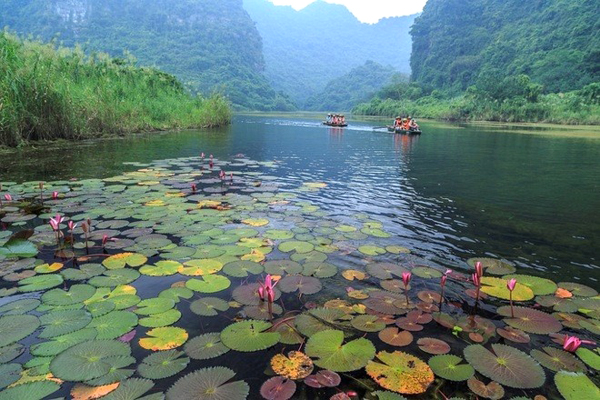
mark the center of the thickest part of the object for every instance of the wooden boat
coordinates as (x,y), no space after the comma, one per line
(332,124)
(404,131)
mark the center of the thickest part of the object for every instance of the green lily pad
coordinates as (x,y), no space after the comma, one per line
(58,323)
(242,269)
(164,338)
(76,294)
(300,283)
(9,373)
(114,324)
(209,384)
(497,287)
(385,270)
(558,360)
(449,367)
(297,246)
(58,344)
(249,335)
(208,284)
(18,307)
(115,277)
(578,289)
(576,386)
(530,320)
(493,266)
(319,269)
(30,391)
(539,286)
(166,318)
(163,364)
(18,248)
(201,267)
(10,352)
(88,360)
(121,260)
(372,250)
(591,358)
(278,234)
(281,267)
(161,268)
(85,271)
(41,282)
(320,319)
(155,305)
(426,272)
(132,389)
(209,306)
(388,395)
(177,293)
(330,352)
(205,346)
(506,365)
(368,323)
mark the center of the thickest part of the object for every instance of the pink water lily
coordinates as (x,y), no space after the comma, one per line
(194,187)
(476,280)
(406,276)
(572,343)
(510,285)
(202,155)
(443,284)
(54,195)
(104,240)
(265,291)
(479,269)
(56,221)
(222,175)
(7,197)
(72,225)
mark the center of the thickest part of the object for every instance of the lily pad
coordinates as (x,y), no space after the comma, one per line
(297,246)
(331,354)
(280,267)
(395,337)
(248,294)
(449,367)
(492,390)
(578,289)
(88,360)
(319,269)
(166,318)
(205,346)
(209,306)
(385,270)
(320,319)
(530,320)
(539,286)
(368,323)
(58,323)
(497,287)
(163,364)
(493,266)
(161,268)
(154,306)
(121,260)
(576,386)
(114,324)
(300,283)
(115,277)
(426,272)
(506,365)
(295,365)
(164,338)
(209,384)
(242,269)
(208,284)
(589,357)
(18,307)
(558,360)
(76,294)
(131,389)
(278,388)
(16,248)
(201,267)
(250,335)
(30,391)
(59,344)
(433,346)
(371,250)
(400,372)
(38,283)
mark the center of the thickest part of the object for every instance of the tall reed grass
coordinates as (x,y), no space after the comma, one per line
(49,92)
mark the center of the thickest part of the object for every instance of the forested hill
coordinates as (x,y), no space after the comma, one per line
(210,45)
(554,42)
(306,49)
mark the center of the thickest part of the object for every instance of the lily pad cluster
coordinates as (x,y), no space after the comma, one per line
(152,274)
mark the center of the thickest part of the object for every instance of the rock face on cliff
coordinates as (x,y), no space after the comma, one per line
(209,44)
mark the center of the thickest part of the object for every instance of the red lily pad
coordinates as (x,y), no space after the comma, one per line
(395,337)
(493,390)
(530,320)
(408,325)
(278,388)
(558,360)
(429,296)
(302,284)
(383,302)
(513,334)
(433,346)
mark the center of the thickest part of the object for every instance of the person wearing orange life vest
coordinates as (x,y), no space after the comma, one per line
(397,122)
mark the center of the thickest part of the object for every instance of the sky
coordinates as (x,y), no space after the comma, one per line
(369,11)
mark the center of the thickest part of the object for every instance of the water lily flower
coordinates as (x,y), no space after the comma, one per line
(479,269)
(511,284)
(211,164)
(72,225)
(104,240)
(56,221)
(406,278)
(476,280)
(54,195)
(7,197)
(222,174)
(443,284)
(193,187)
(265,291)
(231,176)
(202,155)
(571,343)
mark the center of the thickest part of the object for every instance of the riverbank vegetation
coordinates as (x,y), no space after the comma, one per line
(49,92)
(509,99)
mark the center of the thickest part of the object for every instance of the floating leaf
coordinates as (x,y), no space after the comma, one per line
(209,306)
(242,269)
(280,267)
(114,324)
(30,391)
(513,334)
(327,347)
(154,306)
(497,287)
(381,395)
(166,318)
(426,272)
(385,270)
(59,344)
(371,250)
(576,386)
(17,307)
(249,335)
(38,283)
(319,269)
(76,294)
(558,360)
(539,286)
(85,392)
(300,283)
(383,302)
(368,323)
(352,274)
(433,346)
(295,365)
(395,337)
(507,365)
(48,268)
(578,289)
(88,360)
(164,338)
(205,346)
(9,373)
(400,372)
(297,246)
(248,294)
(589,357)
(319,319)
(163,364)
(201,267)
(15,248)
(10,352)
(209,384)
(121,260)
(115,277)
(530,320)
(62,322)
(493,390)
(448,367)
(208,284)
(278,388)
(85,271)
(131,389)
(161,268)
(493,266)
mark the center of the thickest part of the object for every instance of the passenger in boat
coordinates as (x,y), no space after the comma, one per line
(404,124)
(413,125)
(343,119)
(398,122)
(329,118)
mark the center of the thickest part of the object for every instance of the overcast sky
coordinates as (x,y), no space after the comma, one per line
(367,10)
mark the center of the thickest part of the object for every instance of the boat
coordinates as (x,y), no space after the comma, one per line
(404,131)
(336,125)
